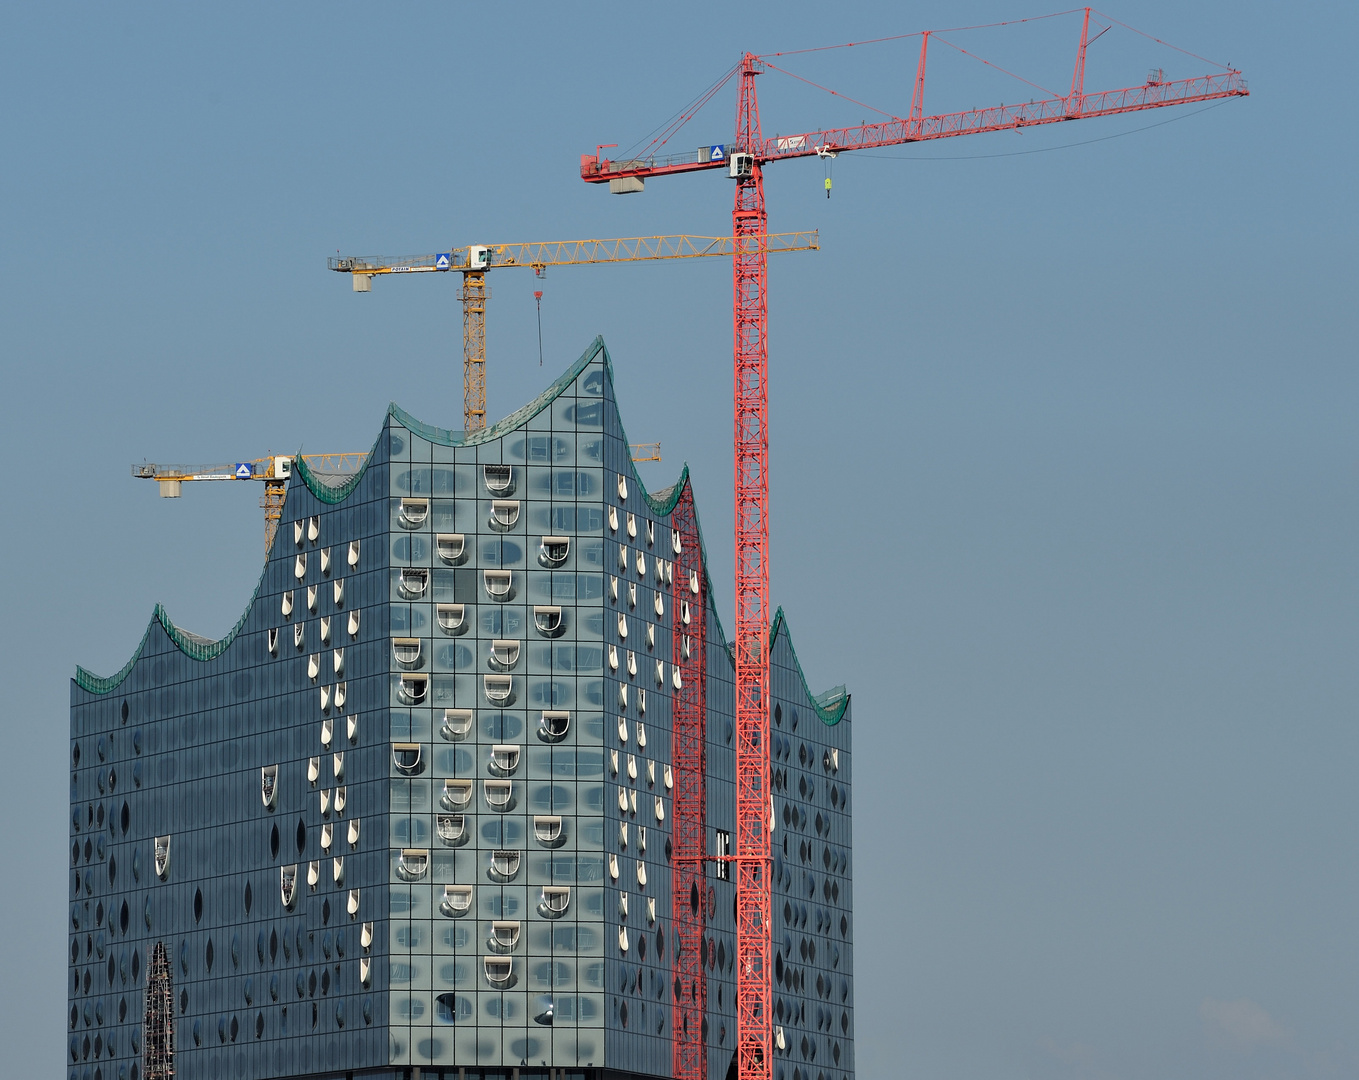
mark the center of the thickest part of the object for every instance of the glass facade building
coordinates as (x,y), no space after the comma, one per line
(418,813)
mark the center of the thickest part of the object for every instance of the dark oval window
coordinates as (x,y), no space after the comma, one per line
(123,917)
(249,898)
(273,842)
(125,818)
(75,756)
(301,837)
(208,954)
(198,905)
(123,712)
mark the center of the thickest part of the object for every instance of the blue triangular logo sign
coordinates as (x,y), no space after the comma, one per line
(717,153)
(244,471)
(441,263)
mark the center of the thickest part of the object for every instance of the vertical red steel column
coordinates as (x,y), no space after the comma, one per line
(689,899)
(749,228)
(1077,98)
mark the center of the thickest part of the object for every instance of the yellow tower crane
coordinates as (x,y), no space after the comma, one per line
(273,471)
(475,260)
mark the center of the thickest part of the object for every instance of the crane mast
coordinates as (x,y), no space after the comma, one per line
(750,153)
(751,441)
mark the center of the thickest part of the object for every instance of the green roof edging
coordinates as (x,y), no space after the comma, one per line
(191,645)
(323,491)
(445,437)
(831,705)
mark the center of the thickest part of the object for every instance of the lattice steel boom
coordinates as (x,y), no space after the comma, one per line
(474,260)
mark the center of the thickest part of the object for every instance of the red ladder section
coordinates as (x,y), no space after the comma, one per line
(689,898)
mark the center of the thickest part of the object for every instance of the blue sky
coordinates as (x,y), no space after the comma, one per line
(1063,462)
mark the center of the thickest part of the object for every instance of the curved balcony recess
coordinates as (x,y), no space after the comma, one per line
(504,935)
(457,724)
(414,512)
(499,971)
(499,479)
(499,794)
(456,795)
(505,865)
(287,884)
(548,828)
(450,546)
(499,584)
(504,759)
(554,550)
(413,863)
(499,689)
(504,653)
(555,901)
(413,688)
(162,856)
(452,618)
(548,619)
(504,513)
(406,651)
(554,725)
(406,757)
(457,901)
(412,581)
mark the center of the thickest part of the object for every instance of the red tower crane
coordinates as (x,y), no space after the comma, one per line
(744,161)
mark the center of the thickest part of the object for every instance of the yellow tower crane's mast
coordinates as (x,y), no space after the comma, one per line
(475,260)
